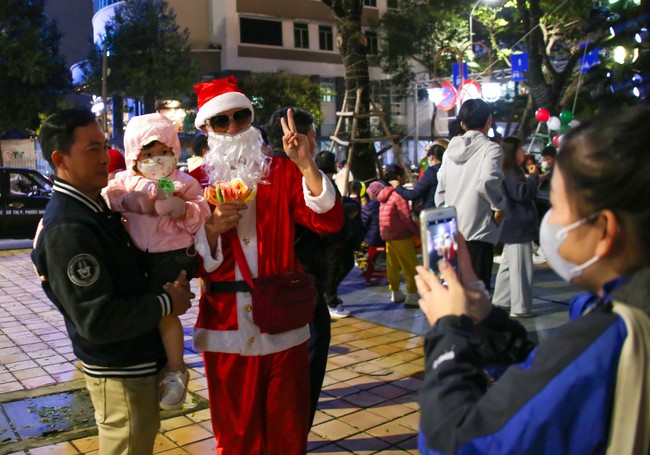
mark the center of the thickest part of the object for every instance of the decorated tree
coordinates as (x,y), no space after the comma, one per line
(412,35)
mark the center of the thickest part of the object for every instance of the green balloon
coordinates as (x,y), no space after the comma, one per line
(564,129)
(566,116)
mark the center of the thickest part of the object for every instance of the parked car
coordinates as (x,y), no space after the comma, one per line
(24,193)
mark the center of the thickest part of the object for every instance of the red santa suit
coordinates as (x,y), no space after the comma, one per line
(259,383)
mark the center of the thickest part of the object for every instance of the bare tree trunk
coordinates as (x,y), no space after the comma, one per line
(352,45)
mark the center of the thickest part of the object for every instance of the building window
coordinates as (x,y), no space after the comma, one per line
(325,38)
(260,31)
(372,48)
(370,3)
(328,90)
(300,36)
(393,4)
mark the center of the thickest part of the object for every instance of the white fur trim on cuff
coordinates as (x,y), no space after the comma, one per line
(202,247)
(326,200)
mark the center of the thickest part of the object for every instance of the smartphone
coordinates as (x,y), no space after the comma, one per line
(439,230)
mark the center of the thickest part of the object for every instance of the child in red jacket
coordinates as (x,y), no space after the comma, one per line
(397,228)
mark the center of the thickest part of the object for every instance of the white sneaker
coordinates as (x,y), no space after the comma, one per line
(397,296)
(338,312)
(539,258)
(412,300)
(173,389)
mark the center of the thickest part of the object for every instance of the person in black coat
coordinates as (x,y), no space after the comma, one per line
(425,189)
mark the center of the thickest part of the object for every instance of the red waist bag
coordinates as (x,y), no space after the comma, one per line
(284,302)
(280,302)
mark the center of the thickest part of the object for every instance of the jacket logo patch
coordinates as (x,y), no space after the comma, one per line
(83,270)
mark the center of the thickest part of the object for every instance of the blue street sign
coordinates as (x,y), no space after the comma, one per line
(455,73)
(519,64)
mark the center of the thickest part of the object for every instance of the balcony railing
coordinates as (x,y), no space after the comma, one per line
(99,4)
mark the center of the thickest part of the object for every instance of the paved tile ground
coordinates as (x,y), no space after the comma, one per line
(368,404)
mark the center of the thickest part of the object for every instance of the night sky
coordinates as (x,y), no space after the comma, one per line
(74,19)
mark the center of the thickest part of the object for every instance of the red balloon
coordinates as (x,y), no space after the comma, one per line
(542,114)
(556,140)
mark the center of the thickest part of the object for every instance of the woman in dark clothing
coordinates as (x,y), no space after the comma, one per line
(514,283)
(425,189)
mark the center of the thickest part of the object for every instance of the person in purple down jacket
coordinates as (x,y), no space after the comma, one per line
(370,215)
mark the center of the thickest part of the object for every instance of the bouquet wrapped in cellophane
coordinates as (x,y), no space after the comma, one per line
(234,191)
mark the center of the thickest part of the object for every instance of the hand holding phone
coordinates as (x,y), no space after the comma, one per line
(439,230)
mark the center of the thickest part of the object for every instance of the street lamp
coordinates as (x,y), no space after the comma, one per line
(478,2)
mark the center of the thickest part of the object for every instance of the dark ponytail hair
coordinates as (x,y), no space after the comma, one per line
(510,145)
(605,163)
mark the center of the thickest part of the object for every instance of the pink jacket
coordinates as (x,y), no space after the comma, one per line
(395,222)
(157,234)
(151,233)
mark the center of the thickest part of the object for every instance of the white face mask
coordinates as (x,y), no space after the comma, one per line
(545,166)
(157,167)
(551,238)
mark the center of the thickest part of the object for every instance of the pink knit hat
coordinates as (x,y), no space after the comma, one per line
(374,189)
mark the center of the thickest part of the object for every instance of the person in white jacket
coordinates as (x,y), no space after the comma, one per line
(470,179)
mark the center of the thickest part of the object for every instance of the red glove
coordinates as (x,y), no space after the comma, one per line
(172,206)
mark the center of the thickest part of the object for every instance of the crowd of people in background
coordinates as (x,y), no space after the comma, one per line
(124,234)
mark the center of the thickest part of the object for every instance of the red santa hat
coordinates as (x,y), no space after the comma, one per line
(219,96)
(116,161)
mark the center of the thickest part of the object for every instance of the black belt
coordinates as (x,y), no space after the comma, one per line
(220,287)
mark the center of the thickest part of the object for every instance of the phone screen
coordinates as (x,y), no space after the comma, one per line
(442,243)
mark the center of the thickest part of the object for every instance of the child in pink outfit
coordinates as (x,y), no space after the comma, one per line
(397,228)
(161,209)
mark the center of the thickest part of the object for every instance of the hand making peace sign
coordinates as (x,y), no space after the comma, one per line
(296,145)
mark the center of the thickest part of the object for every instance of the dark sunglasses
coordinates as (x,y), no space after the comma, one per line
(220,123)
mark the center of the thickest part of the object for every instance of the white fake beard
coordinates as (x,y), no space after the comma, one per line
(237,156)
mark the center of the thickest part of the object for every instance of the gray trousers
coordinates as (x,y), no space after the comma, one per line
(514,282)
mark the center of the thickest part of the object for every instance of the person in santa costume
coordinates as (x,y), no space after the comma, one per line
(258,382)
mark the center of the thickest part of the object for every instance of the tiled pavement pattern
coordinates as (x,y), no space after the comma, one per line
(368,404)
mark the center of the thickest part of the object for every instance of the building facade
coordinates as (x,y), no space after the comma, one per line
(244,36)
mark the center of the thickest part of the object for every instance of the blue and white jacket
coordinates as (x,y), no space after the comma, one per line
(557,400)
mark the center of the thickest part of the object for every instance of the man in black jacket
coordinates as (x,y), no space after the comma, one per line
(93,274)
(311,252)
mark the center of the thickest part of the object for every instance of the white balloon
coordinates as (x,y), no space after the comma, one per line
(573,123)
(554,123)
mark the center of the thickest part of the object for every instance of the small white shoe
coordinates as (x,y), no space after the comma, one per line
(412,300)
(397,296)
(173,389)
(339,312)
